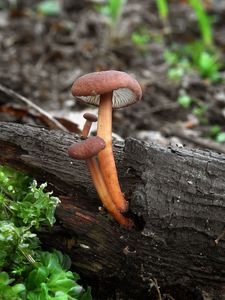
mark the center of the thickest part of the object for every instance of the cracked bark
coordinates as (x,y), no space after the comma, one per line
(178,199)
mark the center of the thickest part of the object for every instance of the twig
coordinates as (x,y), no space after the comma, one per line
(154,283)
(160,108)
(19,97)
(188,136)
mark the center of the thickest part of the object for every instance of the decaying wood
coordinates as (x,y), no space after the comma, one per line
(177,199)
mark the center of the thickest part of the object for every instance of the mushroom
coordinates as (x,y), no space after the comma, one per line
(90,118)
(108,89)
(87,150)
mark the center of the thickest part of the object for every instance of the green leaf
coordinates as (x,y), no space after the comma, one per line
(4,279)
(176,73)
(115,8)
(171,57)
(64,260)
(37,207)
(214,130)
(140,38)
(49,8)
(86,295)
(162,8)
(18,288)
(15,243)
(64,284)
(11,178)
(8,291)
(220,137)
(112,9)
(36,277)
(200,110)
(203,21)
(50,261)
(184,100)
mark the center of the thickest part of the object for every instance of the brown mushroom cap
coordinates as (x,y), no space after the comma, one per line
(87,148)
(126,90)
(90,117)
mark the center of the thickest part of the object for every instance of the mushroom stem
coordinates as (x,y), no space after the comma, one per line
(86,129)
(98,180)
(104,194)
(90,118)
(106,158)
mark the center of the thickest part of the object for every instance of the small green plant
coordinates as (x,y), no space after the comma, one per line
(216,133)
(209,66)
(200,111)
(184,100)
(49,8)
(178,65)
(112,10)
(185,59)
(200,55)
(50,279)
(163,10)
(198,108)
(27,272)
(203,21)
(140,39)
(206,61)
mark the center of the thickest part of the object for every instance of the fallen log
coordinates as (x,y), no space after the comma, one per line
(177,200)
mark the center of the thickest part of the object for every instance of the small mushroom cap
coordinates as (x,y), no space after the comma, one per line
(87,148)
(90,117)
(126,90)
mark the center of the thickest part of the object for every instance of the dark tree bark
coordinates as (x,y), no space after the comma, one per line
(177,199)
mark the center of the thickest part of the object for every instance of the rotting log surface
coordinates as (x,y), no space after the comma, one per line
(177,195)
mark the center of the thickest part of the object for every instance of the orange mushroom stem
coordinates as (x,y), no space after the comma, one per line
(106,157)
(87,150)
(104,194)
(90,118)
